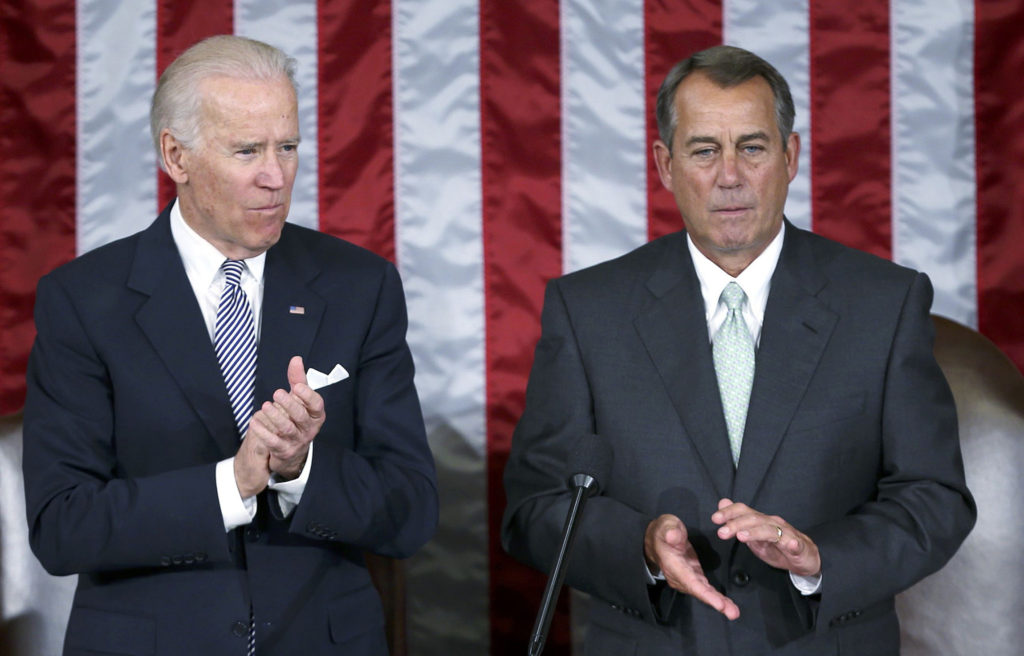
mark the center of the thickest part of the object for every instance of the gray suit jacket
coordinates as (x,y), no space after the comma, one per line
(851,437)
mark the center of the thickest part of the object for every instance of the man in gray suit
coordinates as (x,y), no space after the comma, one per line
(785,449)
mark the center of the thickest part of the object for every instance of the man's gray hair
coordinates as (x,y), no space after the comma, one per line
(726,66)
(177,102)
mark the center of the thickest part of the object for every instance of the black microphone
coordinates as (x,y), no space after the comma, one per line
(589,464)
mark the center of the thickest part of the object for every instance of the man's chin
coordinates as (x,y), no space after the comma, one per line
(261,242)
(270,240)
(268,229)
(733,243)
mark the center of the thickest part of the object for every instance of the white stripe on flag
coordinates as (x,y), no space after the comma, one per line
(439,247)
(292,27)
(779,32)
(116,64)
(934,193)
(604,154)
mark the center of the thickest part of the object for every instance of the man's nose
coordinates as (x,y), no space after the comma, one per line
(271,173)
(729,170)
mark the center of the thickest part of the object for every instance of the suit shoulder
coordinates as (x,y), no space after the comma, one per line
(838,261)
(852,281)
(331,252)
(635,266)
(109,262)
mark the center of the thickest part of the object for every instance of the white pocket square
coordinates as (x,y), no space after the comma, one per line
(317,379)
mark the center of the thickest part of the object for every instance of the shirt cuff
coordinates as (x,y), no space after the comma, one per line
(807,585)
(235,510)
(653,576)
(289,493)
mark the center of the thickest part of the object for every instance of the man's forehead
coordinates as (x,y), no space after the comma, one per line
(730,135)
(240,104)
(746,108)
(224,91)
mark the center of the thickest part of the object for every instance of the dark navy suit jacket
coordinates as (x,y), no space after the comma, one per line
(851,436)
(127,415)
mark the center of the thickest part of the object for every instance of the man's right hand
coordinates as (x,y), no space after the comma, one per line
(252,466)
(667,547)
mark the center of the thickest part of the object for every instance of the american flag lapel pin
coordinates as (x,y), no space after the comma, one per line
(296,309)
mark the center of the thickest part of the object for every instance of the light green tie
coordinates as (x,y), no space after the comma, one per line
(733,352)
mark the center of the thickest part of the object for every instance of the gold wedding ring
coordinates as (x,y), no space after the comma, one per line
(778,531)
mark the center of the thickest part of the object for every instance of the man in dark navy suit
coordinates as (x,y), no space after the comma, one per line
(215,476)
(785,446)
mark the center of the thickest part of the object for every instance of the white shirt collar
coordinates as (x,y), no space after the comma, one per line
(202,260)
(755,279)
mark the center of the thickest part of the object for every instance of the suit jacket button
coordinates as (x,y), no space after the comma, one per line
(200,557)
(240,629)
(165,561)
(740,578)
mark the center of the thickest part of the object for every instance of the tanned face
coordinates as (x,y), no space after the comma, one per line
(728,168)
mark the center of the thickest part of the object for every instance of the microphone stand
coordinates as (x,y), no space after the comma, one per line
(585,486)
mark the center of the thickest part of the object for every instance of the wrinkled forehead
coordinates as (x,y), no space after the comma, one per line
(217,90)
(703,104)
(246,105)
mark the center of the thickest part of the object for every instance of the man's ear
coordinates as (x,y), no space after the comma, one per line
(663,160)
(793,154)
(174,156)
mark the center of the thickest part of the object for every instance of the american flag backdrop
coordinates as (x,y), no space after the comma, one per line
(489,145)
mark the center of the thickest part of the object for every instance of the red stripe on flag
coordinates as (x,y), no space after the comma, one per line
(999,124)
(850,123)
(37,171)
(520,107)
(355,120)
(178,26)
(673,31)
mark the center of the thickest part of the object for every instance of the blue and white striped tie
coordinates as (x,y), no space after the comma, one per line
(235,343)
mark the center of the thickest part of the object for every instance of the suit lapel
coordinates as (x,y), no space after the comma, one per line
(797,327)
(173,323)
(292,312)
(674,332)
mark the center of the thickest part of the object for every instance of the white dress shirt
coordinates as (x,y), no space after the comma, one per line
(755,280)
(202,263)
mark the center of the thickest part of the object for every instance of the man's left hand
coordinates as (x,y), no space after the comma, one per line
(288,424)
(769,537)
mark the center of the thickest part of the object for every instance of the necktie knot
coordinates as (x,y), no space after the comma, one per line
(733,296)
(233,271)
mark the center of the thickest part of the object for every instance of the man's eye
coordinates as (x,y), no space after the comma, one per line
(246,151)
(753,149)
(704,152)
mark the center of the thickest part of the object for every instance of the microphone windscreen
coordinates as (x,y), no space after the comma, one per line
(591,455)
